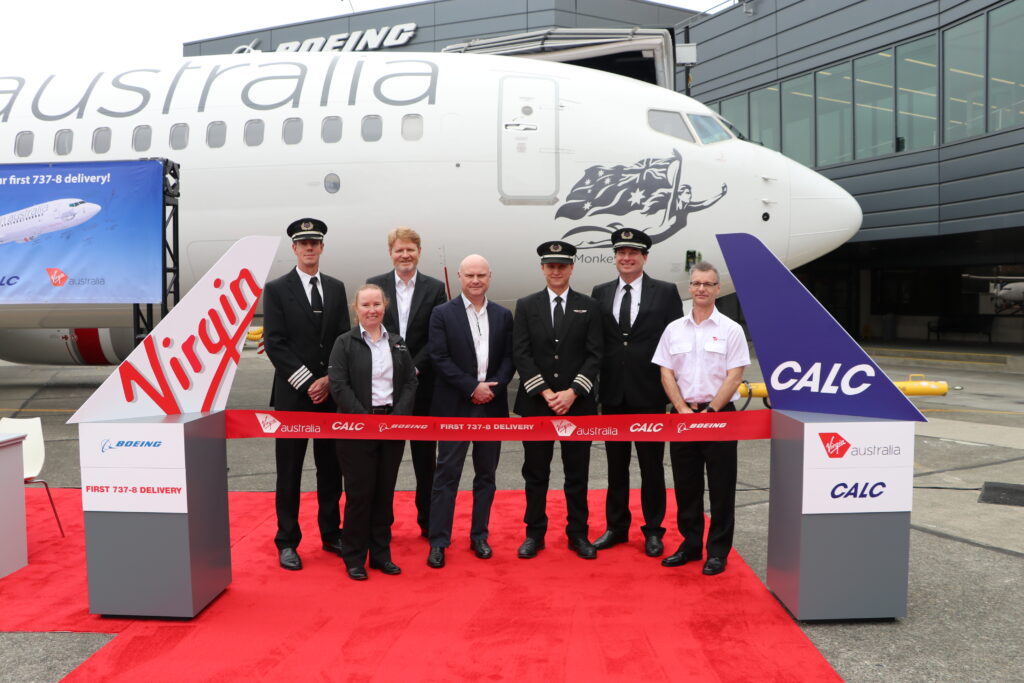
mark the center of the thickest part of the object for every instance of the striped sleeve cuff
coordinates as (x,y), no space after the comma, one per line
(533,384)
(300,377)
(584,383)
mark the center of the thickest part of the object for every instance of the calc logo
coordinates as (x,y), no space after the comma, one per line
(57,276)
(268,423)
(563,427)
(835,445)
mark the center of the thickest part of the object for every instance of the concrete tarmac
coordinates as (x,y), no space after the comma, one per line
(966,558)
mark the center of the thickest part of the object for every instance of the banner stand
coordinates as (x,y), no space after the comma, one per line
(838,524)
(154,496)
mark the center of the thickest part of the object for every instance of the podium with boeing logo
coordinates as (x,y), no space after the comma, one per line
(842,452)
(154,497)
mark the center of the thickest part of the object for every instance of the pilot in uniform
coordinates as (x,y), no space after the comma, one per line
(304,311)
(556,348)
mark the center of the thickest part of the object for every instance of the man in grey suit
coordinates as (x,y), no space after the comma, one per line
(304,311)
(413,296)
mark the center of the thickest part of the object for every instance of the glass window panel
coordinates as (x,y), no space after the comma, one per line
(101,140)
(142,138)
(23,143)
(765,126)
(798,119)
(62,141)
(216,134)
(179,136)
(412,127)
(330,130)
(332,183)
(253,132)
(291,131)
(917,87)
(834,88)
(1006,66)
(709,129)
(734,110)
(874,97)
(963,54)
(669,123)
(373,128)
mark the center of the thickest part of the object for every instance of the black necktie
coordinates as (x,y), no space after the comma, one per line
(316,301)
(558,316)
(625,308)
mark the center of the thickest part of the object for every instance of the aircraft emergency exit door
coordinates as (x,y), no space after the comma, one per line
(528,140)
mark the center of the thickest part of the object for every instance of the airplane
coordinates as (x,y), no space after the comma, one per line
(1007,291)
(28,224)
(478,153)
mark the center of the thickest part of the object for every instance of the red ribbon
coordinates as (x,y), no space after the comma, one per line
(730,426)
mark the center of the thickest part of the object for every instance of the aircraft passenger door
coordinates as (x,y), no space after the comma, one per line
(528,140)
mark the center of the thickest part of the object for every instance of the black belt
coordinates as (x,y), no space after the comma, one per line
(380,410)
(701,407)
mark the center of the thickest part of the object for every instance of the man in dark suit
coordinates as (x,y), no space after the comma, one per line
(471,351)
(635,310)
(556,347)
(413,296)
(304,311)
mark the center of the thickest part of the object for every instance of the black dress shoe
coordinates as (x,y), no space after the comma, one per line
(608,539)
(387,567)
(435,559)
(333,547)
(530,547)
(678,558)
(654,547)
(289,559)
(482,550)
(714,565)
(583,548)
(357,573)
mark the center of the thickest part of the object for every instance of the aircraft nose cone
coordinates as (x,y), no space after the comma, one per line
(91,209)
(824,215)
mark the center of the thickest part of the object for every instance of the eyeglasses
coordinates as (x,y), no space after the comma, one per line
(705,285)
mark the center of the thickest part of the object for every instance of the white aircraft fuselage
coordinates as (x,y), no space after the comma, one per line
(25,225)
(479,154)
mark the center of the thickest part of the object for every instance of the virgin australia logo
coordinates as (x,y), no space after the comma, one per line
(268,423)
(651,187)
(563,427)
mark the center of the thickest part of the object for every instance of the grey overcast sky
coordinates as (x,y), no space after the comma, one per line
(134,31)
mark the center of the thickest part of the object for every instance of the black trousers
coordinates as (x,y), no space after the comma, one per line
(451,456)
(537,473)
(371,471)
(424,459)
(289,454)
(651,457)
(689,461)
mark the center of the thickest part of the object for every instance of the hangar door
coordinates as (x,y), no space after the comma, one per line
(528,140)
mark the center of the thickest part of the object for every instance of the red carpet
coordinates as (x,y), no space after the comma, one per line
(557,617)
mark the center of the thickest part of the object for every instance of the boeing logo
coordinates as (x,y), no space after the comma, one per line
(110,445)
(791,376)
(356,41)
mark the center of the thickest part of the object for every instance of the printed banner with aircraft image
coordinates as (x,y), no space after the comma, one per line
(81,232)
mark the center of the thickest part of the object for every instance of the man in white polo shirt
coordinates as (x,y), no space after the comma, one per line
(702,356)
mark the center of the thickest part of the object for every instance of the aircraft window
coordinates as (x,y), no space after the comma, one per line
(291,131)
(253,132)
(670,123)
(373,128)
(62,141)
(142,138)
(332,183)
(732,129)
(709,129)
(330,130)
(101,140)
(412,126)
(216,134)
(179,136)
(23,143)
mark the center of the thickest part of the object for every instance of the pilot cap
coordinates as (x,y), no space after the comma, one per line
(634,239)
(556,252)
(307,229)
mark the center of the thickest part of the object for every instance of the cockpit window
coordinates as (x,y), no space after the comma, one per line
(732,129)
(709,129)
(670,123)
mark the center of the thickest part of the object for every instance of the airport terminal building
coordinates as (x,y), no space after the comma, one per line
(916,108)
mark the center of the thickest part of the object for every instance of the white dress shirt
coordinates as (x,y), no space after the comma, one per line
(634,292)
(480,330)
(309,289)
(403,299)
(382,386)
(701,355)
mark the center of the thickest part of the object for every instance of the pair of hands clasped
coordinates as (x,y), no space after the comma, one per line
(559,401)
